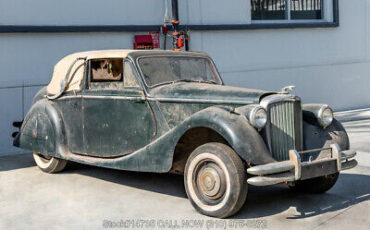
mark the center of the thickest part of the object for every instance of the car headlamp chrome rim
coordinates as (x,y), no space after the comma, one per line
(325,116)
(258,117)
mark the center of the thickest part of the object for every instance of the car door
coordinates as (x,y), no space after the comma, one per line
(117,118)
(70,106)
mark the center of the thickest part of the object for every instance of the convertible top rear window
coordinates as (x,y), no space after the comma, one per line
(164,69)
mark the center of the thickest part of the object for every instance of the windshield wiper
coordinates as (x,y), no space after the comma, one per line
(207,81)
(198,81)
(171,82)
(185,80)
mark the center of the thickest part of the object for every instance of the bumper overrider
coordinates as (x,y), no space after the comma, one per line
(294,169)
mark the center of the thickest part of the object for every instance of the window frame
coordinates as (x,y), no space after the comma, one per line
(88,74)
(105,80)
(126,60)
(250,25)
(325,21)
(213,68)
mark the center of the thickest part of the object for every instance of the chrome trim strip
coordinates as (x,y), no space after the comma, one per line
(271,168)
(103,97)
(199,101)
(271,179)
(189,100)
(265,102)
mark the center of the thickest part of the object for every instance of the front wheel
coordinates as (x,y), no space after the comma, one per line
(49,164)
(215,180)
(316,185)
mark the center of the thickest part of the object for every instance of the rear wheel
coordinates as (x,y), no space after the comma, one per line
(316,185)
(215,180)
(49,164)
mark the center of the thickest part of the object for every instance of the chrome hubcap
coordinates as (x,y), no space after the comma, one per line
(210,181)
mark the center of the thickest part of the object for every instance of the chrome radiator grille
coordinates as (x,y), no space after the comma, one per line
(284,129)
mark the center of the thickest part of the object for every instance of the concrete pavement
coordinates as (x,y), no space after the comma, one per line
(85,197)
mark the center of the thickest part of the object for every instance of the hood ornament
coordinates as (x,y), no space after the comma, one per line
(287,89)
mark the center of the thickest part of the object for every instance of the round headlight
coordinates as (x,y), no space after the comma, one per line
(326,116)
(258,117)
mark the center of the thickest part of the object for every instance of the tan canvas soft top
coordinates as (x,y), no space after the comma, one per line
(60,84)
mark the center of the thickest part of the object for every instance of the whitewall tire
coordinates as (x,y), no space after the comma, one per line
(215,180)
(49,164)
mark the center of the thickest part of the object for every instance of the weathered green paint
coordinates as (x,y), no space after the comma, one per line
(199,96)
(138,128)
(207,92)
(123,125)
(73,116)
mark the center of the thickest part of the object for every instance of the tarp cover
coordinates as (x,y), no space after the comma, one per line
(77,72)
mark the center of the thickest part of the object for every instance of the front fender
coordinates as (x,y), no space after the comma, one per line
(317,137)
(235,129)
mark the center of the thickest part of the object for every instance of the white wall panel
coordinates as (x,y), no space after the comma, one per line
(30,58)
(10,110)
(81,12)
(343,87)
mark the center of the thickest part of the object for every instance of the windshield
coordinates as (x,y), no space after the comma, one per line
(160,70)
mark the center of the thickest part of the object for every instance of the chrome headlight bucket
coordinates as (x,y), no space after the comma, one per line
(325,116)
(255,114)
(318,114)
(258,117)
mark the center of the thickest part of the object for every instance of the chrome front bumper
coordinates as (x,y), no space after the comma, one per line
(294,169)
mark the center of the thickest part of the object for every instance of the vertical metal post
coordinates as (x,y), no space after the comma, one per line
(287,11)
(175,23)
(179,38)
(23,100)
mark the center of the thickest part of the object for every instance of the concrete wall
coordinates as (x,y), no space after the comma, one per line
(328,65)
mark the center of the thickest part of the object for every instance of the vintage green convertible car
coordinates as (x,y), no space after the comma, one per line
(169,111)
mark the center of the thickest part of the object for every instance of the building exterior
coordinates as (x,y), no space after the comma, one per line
(322,47)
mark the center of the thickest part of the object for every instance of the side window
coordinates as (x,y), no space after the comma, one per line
(106,70)
(111,74)
(129,76)
(106,74)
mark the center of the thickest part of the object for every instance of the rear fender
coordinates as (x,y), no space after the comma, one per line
(42,130)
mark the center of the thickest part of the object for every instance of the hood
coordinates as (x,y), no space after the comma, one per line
(208,92)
